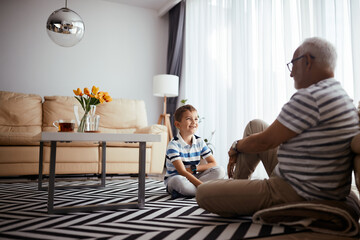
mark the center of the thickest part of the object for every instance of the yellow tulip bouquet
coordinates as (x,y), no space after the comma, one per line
(88,100)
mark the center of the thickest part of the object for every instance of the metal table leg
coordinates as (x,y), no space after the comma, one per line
(103,164)
(41,160)
(142,165)
(52,178)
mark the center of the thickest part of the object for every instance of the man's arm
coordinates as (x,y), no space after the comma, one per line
(272,137)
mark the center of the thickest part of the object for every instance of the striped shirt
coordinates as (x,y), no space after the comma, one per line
(318,161)
(178,149)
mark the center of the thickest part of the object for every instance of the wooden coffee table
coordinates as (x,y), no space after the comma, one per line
(54,137)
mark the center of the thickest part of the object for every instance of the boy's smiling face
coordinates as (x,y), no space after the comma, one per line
(189,123)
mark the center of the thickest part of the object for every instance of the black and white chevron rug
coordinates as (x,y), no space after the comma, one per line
(23,215)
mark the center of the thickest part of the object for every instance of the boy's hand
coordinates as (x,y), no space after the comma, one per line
(188,169)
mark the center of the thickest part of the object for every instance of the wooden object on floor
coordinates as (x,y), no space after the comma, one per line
(165,120)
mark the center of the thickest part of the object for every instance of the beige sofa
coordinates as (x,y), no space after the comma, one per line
(24,116)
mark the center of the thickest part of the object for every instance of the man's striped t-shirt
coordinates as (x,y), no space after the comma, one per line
(178,149)
(318,161)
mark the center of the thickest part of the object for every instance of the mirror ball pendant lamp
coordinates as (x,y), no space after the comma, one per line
(65,27)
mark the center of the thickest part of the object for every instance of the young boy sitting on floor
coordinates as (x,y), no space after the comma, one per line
(183,154)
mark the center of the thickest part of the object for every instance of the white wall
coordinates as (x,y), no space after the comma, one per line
(122,49)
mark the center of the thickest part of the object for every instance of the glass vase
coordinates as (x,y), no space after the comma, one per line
(83,120)
(85,124)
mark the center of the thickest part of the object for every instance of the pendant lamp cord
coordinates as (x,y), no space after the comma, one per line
(65,3)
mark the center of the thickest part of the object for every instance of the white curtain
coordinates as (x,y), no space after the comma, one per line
(236,53)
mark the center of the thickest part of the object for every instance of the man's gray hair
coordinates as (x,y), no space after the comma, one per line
(323,51)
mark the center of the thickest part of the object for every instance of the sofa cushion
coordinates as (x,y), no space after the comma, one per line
(111,117)
(20,109)
(30,137)
(19,154)
(20,118)
(122,113)
(55,108)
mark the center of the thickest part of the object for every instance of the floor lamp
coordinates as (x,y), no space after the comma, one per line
(166,85)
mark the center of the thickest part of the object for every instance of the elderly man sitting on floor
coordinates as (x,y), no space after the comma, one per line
(305,151)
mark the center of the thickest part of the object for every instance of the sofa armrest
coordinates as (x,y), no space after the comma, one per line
(153,129)
(158,150)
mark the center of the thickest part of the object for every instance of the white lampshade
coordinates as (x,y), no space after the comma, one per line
(166,85)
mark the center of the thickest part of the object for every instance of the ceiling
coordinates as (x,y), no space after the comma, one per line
(157,5)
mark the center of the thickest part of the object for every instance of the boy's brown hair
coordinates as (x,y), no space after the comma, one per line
(179,112)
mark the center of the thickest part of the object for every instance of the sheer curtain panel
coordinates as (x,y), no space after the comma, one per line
(236,53)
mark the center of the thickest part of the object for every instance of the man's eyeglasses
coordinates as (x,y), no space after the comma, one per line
(290,64)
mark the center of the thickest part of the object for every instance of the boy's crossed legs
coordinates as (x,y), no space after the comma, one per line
(185,188)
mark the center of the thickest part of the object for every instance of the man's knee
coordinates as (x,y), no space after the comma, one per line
(201,194)
(212,197)
(255,126)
